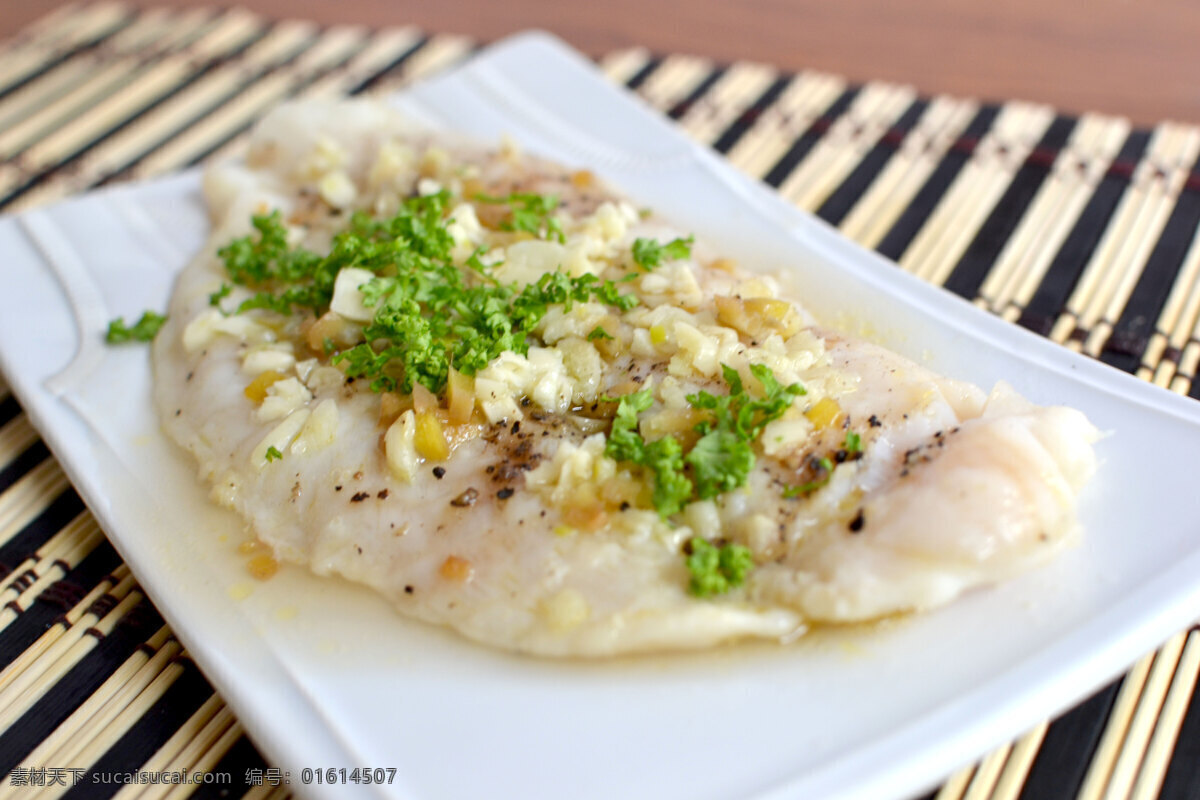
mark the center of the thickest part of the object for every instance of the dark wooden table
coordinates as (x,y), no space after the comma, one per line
(1138,58)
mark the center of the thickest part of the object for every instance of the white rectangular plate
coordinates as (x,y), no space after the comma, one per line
(323,674)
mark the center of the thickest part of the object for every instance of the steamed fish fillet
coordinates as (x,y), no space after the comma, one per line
(528,536)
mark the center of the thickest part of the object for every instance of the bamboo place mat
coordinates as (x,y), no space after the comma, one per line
(1079,228)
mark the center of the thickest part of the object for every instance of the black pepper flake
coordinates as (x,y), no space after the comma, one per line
(382,495)
(516,428)
(840,456)
(178,411)
(873,421)
(624,505)
(190,375)
(337,488)
(525,402)
(408,589)
(508,472)
(439,472)
(465,499)
(506,493)
(359,497)
(857,523)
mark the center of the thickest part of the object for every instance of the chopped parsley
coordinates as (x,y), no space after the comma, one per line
(141,331)
(273,453)
(598,333)
(740,412)
(216,297)
(532,213)
(853,443)
(716,570)
(663,457)
(429,313)
(624,442)
(649,253)
(428,320)
(720,462)
(722,459)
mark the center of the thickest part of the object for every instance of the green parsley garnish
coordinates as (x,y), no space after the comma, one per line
(142,331)
(716,570)
(722,459)
(531,213)
(853,443)
(662,457)
(720,462)
(429,319)
(649,253)
(824,468)
(598,333)
(273,453)
(429,313)
(266,261)
(624,442)
(216,297)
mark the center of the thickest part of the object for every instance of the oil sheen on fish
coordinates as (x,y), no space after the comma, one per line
(517,404)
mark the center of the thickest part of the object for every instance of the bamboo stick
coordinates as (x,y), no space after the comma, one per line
(1119,718)
(1141,726)
(29,497)
(1159,751)
(15,438)
(919,154)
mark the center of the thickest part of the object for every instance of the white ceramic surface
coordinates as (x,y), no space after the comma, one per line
(322,674)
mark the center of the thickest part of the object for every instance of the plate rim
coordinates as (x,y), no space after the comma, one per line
(1097,376)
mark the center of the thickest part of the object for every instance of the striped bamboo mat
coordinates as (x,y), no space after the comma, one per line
(1079,228)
